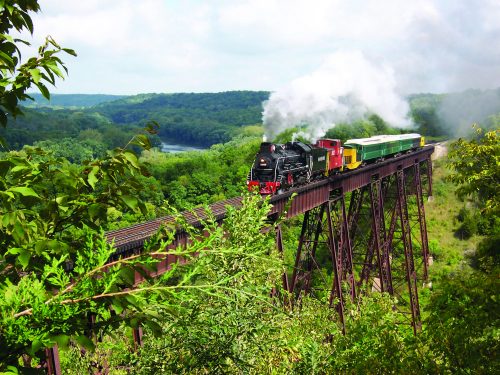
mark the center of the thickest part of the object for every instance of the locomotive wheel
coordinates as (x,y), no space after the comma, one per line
(290,179)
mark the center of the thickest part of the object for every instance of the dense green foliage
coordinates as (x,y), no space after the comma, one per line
(463,324)
(195,119)
(199,119)
(194,178)
(54,125)
(477,166)
(51,265)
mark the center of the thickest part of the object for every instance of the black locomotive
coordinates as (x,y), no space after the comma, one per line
(278,167)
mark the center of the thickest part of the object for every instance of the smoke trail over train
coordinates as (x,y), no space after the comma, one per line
(344,88)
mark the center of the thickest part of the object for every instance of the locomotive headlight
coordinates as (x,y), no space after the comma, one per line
(262,162)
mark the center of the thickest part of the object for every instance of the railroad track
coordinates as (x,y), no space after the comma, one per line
(133,237)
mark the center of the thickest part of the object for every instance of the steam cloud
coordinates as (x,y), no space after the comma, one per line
(457,112)
(345,88)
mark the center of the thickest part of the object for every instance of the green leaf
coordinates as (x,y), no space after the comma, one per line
(54,68)
(4,167)
(35,74)
(24,258)
(155,327)
(7,194)
(127,275)
(143,141)
(25,191)
(130,201)
(92,178)
(117,306)
(97,210)
(152,127)
(44,90)
(3,142)
(19,233)
(69,51)
(11,371)
(36,345)
(5,58)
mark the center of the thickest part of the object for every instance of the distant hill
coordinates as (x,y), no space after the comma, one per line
(193,119)
(69,100)
(197,119)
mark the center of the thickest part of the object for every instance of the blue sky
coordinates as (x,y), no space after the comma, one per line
(132,46)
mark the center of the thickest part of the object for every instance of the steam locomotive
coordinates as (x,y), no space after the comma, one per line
(278,167)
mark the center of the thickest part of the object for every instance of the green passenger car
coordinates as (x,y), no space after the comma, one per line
(365,150)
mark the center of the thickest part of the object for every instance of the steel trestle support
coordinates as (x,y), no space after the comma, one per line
(421,220)
(379,236)
(279,245)
(345,238)
(336,291)
(343,225)
(411,274)
(308,243)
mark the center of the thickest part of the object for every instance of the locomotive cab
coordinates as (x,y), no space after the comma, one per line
(262,176)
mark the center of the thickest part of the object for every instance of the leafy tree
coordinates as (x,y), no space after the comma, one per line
(48,211)
(463,328)
(17,76)
(52,263)
(74,151)
(477,169)
(218,332)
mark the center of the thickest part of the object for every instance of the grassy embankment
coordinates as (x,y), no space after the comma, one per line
(447,247)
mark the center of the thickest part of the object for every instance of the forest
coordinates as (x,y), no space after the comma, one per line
(213,118)
(67,175)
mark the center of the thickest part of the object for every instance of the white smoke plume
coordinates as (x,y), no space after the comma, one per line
(345,88)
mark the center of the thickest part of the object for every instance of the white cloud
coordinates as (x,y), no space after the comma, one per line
(190,45)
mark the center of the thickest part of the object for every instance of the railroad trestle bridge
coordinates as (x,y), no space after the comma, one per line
(370,220)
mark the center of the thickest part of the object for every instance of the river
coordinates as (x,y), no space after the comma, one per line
(170,147)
